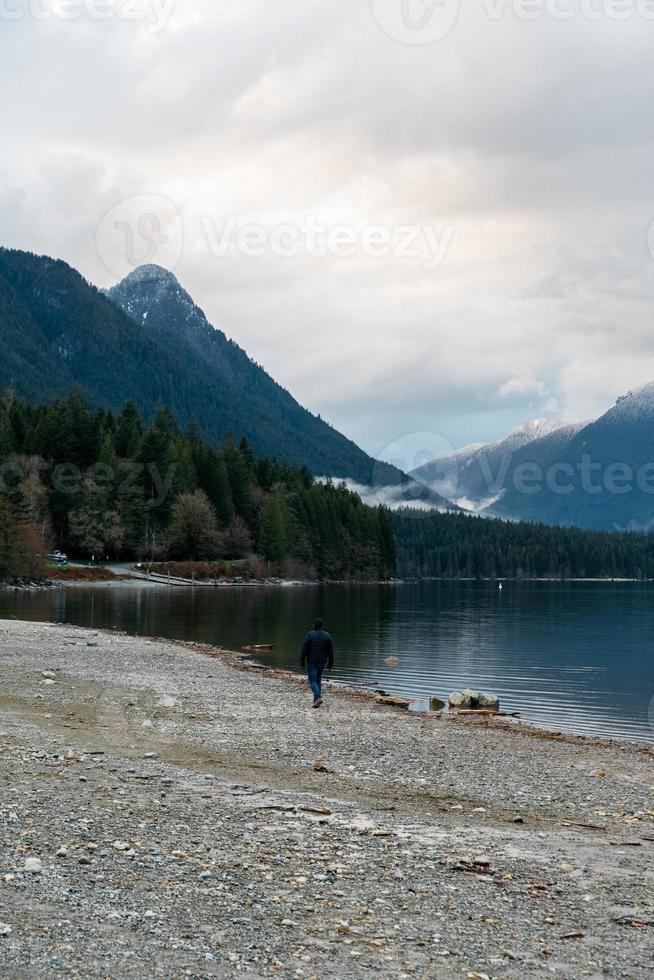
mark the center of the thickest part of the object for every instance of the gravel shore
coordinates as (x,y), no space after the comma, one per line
(168,812)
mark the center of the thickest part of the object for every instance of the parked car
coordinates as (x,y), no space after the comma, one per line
(58,558)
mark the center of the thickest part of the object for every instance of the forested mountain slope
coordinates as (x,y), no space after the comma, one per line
(57,330)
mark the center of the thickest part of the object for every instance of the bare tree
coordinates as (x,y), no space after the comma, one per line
(194,528)
(238,540)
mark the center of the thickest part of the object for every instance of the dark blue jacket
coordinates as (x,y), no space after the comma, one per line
(318,649)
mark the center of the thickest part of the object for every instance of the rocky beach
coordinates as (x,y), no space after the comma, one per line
(169,810)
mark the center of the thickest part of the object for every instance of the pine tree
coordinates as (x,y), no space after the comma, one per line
(7,435)
(107,451)
(6,540)
(128,431)
(387,544)
(274,541)
(240,479)
(213,479)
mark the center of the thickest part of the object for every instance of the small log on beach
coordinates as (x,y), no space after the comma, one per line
(391,701)
(486,712)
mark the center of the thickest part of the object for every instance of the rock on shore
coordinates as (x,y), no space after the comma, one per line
(194,818)
(474,700)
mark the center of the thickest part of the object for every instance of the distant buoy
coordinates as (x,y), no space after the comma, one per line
(500,586)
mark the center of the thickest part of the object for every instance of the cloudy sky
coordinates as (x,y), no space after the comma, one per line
(429,223)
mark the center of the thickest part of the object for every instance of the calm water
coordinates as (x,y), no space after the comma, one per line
(576,657)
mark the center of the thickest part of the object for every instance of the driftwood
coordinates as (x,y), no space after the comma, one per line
(391,701)
(584,826)
(485,712)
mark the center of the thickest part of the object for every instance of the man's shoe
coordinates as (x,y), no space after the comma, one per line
(317,702)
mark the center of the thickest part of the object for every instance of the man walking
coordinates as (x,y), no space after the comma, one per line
(317,652)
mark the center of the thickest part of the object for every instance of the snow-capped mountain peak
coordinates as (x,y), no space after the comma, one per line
(149,289)
(635,404)
(528,431)
(150,273)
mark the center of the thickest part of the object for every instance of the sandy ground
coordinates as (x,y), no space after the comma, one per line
(191,817)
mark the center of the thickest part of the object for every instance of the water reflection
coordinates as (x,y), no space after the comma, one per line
(575,656)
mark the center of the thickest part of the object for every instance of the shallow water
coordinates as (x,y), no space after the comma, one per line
(575,657)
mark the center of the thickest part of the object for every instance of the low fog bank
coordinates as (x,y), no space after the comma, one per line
(396,496)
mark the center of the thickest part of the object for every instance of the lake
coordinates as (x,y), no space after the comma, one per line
(573,656)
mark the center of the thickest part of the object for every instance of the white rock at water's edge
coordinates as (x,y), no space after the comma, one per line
(474,700)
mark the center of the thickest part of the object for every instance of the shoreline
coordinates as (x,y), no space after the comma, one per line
(260,664)
(214,824)
(247,660)
(177,582)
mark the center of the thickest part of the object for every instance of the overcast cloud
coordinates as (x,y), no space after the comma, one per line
(444,238)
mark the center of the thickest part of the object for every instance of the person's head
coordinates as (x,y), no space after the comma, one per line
(317,624)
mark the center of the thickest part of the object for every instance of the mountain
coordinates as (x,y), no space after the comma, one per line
(475,476)
(539,455)
(602,478)
(145,339)
(593,475)
(153,297)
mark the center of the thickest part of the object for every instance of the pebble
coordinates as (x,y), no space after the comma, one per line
(33,865)
(5,929)
(216,867)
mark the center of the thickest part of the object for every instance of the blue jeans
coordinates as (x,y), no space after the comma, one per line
(315,678)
